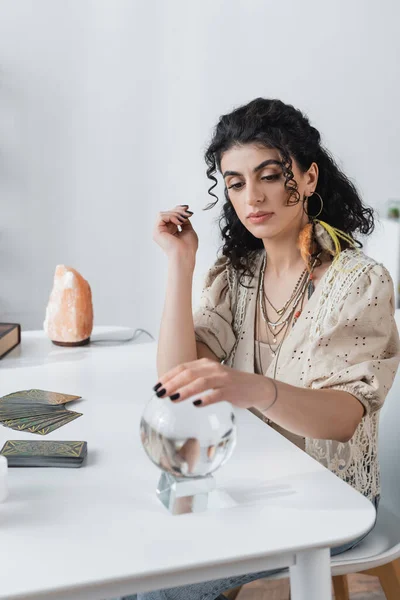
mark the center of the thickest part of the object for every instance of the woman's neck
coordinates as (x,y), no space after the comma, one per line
(283,257)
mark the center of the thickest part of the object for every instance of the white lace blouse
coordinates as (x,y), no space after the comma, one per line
(345,339)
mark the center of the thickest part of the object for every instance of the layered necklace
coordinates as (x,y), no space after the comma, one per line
(290,311)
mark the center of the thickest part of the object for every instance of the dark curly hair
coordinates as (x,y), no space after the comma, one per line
(274,124)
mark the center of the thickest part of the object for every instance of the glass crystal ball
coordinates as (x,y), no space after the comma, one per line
(186,440)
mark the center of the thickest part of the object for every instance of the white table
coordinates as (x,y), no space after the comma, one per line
(100,531)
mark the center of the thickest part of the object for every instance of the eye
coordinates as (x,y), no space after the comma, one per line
(235,186)
(240,184)
(271,177)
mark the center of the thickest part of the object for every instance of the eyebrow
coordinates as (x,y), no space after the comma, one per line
(265,163)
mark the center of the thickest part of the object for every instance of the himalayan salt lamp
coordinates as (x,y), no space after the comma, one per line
(69,313)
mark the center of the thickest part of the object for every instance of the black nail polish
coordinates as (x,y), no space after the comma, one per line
(161,393)
(182,219)
(156,387)
(189,212)
(228,433)
(197,402)
(184,205)
(175,396)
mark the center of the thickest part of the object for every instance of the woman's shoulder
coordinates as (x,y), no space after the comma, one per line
(353,264)
(354,273)
(220,279)
(223,267)
(355,282)
(355,257)
(220,266)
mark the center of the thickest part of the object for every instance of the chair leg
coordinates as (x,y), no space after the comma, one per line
(389,578)
(341,587)
(233,593)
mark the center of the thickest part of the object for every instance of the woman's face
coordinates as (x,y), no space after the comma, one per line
(255,183)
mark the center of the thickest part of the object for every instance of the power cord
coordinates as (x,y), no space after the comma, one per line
(133,337)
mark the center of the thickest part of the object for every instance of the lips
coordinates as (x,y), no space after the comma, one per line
(259,214)
(260,217)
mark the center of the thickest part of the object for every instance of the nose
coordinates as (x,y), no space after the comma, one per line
(255,194)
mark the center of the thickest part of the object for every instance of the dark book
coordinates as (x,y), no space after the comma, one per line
(10,336)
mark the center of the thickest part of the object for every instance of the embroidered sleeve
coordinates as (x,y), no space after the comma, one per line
(359,351)
(213,317)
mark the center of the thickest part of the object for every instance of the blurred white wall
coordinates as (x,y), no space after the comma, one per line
(106,107)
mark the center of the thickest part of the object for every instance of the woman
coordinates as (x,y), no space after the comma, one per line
(295,322)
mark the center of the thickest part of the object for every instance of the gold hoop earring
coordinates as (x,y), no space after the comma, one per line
(322,205)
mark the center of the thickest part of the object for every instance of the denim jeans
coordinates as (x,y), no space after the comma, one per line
(212,590)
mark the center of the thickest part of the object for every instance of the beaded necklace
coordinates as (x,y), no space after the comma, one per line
(293,315)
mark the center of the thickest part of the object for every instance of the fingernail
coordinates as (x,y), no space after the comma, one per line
(156,387)
(197,402)
(189,212)
(175,396)
(184,205)
(161,393)
(182,218)
(228,433)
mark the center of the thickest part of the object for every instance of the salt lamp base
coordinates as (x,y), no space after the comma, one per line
(81,343)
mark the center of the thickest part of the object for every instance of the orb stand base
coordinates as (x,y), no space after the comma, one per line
(181,496)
